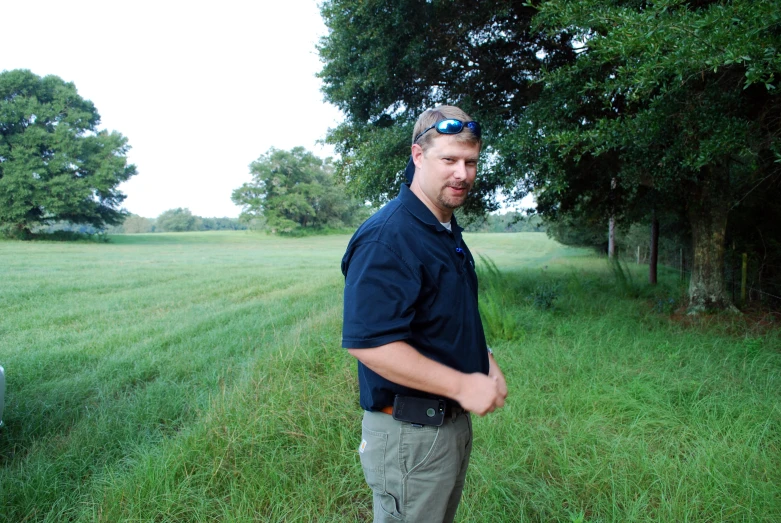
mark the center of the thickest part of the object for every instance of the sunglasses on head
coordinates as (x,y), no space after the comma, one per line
(451,126)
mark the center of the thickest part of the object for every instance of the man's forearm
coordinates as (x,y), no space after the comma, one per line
(400,363)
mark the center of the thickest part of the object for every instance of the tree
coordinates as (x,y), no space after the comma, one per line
(387,60)
(296,189)
(135,224)
(674,100)
(55,165)
(508,222)
(177,220)
(678,100)
(222,224)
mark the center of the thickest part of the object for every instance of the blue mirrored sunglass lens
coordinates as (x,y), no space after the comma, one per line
(450,126)
(474,127)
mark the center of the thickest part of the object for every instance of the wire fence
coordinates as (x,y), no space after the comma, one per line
(761,286)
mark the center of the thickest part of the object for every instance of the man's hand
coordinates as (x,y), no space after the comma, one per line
(496,373)
(401,363)
(481,394)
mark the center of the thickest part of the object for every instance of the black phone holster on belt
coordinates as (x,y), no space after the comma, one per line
(420,411)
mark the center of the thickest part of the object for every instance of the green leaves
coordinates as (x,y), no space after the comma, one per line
(295,189)
(386,61)
(54,162)
(668,86)
(674,100)
(176,220)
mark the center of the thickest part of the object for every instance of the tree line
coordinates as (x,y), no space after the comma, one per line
(176,220)
(291,192)
(661,114)
(511,221)
(173,220)
(59,174)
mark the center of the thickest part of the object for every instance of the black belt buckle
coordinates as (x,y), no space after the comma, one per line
(419,411)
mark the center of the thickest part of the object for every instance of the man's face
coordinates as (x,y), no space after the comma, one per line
(444,174)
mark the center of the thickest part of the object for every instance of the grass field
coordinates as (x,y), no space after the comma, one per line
(198,377)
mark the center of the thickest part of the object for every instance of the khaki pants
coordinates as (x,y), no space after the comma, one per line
(416,473)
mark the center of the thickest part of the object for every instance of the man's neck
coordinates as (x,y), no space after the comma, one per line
(443,215)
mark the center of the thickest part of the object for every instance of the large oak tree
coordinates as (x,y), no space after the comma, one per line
(55,164)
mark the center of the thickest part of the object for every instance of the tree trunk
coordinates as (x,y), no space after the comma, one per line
(654,256)
(611,234)
(708,219)
(22,231)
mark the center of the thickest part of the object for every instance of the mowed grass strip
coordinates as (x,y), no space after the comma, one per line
(195,377)
(111,349)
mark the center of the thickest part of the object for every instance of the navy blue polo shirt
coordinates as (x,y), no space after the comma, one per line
(407,278)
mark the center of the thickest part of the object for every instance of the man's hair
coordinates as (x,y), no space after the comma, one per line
(443,112)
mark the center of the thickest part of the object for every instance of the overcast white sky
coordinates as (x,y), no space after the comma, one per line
(200,89)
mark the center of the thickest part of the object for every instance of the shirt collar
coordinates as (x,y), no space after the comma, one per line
(419,210)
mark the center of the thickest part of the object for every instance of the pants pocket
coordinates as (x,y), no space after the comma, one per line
(417,446)
(374,453)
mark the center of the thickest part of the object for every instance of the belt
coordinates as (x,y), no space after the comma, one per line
(450,410)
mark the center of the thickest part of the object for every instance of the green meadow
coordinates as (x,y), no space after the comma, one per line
(199,377)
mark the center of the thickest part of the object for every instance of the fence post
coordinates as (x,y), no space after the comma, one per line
(743,279)
(732,272)
(653,252)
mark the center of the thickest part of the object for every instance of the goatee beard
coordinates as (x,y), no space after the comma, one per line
(449,203)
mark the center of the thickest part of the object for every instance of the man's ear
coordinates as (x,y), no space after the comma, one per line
(417,154)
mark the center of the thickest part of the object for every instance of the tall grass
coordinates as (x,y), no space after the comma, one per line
(618,413)
(198,377)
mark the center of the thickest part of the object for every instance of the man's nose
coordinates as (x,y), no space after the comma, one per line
(460,171)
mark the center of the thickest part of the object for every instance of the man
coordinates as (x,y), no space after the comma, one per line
(411,320)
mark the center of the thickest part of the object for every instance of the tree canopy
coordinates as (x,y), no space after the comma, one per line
(669,106)
(295,189)
(385,61)
(177,220)
(55,164)
(600,107)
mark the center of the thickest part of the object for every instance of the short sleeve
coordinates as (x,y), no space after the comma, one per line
(379,295)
